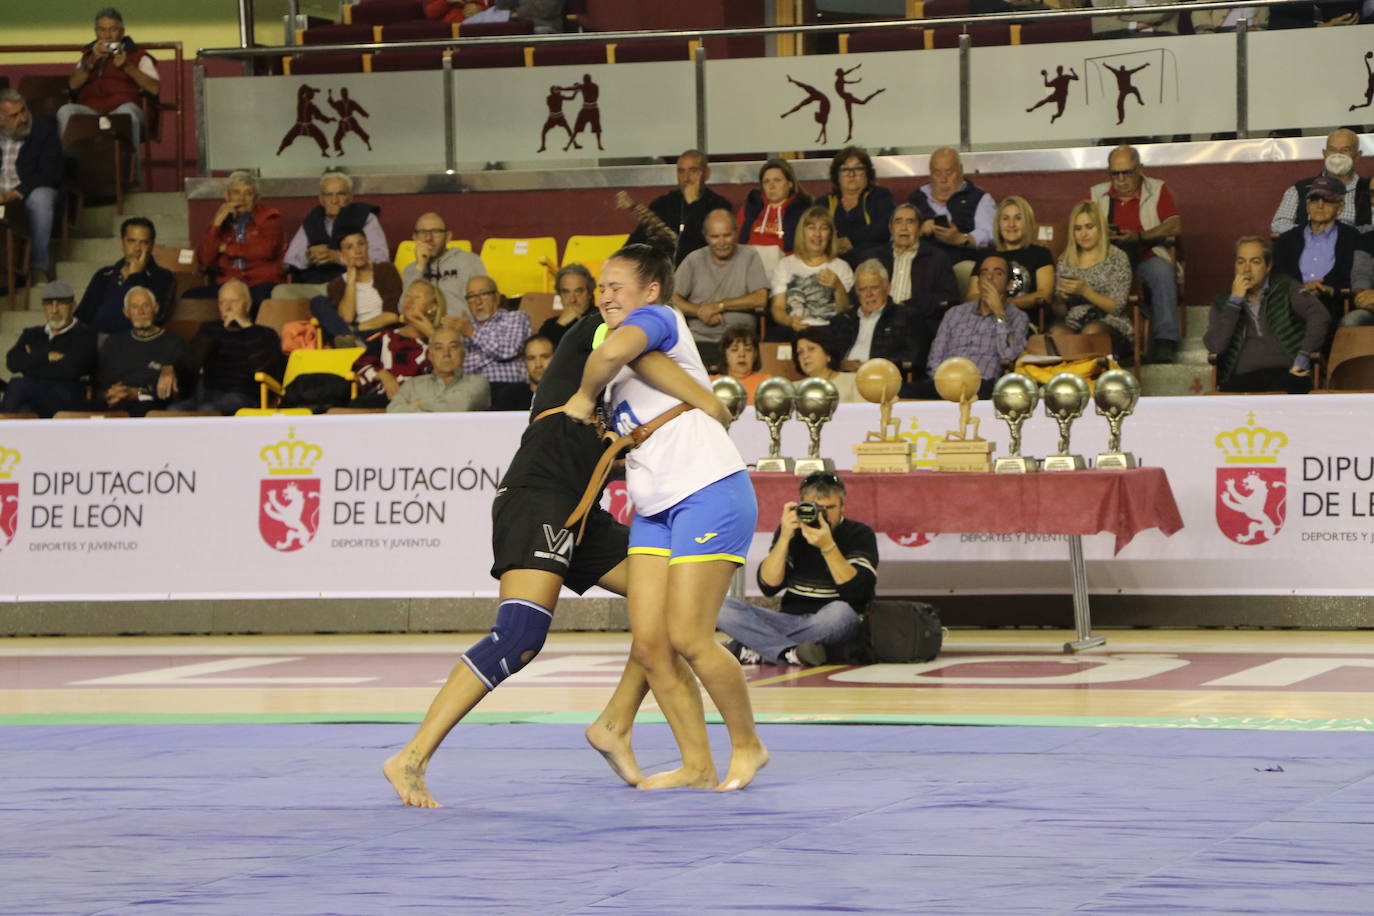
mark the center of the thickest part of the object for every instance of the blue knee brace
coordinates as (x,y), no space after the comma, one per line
(516,638)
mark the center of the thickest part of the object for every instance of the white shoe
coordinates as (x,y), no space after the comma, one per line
(748,656)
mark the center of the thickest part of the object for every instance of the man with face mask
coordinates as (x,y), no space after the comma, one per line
(1341,158)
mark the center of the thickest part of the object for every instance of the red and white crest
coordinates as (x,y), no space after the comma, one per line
(9,512)
(289,512)
(616,501)
(1251,503)
(911,538)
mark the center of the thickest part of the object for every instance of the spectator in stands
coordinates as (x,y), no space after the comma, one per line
(454,10)
(546,15)
(1135,22)
(1032,266)
(956,214)
(1320,15)
(315,255)
(537,351)
(104,304)
(1143,220)
(52,361)
(984,330)
(1094,283)
(827,573)
(720,286)
(449,268)
(811,286)
(494,339)
(861,209)
(448,388)
(575,286)
(363,298)
(1323,254)
(683,210)
(244,241)
(814,356)
(31,173)
(741,360)
(772,211)
(921,275)
(138,368)
(1206,22)
(1267,331)
(1340,160)
(111,77)
(226,352)
(878,328)
(402,350)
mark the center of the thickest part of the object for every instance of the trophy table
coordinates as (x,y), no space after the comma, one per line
(957,379)
(878,381)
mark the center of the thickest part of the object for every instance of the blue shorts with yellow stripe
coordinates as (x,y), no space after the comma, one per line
(714,523)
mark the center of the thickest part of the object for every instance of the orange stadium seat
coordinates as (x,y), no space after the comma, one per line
(515,264)
(1351,366)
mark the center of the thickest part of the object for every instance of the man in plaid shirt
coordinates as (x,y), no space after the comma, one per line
(495,339)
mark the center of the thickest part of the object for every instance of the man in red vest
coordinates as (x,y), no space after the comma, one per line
(110,76)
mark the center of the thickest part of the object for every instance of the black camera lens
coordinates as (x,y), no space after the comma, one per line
(808,513)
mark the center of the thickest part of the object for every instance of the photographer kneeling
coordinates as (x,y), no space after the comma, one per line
(825,564)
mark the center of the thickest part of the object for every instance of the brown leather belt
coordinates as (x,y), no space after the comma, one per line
(633,439)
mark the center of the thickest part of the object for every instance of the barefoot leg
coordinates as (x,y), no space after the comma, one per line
(609,735)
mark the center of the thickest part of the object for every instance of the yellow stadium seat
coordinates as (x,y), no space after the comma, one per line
(405,252)
(517,264)
(301,362)
(591,251)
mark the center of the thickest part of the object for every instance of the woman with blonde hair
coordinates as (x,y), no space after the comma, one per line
(1094,279)
(1014,232)
(811,285)
(400,351)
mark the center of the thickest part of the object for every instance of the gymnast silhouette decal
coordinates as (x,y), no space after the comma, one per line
(1369,83)
(822,102)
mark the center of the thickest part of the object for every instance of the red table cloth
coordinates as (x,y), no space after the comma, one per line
(1047,502)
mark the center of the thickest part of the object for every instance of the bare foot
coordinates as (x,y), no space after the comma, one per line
(744,763)
(407,776)
(613,744)
(680,778)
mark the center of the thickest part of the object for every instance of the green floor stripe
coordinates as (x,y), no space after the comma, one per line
(1255,723)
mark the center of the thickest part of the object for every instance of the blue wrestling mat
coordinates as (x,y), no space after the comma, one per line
(256,820)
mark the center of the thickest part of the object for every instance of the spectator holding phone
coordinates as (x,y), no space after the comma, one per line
(826,567)
(956,215)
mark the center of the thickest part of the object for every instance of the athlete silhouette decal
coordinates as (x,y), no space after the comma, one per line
(346,108)
(1369,83)
(1124,87)
(589,117)
(306,115)
(1059,91)
(822,102)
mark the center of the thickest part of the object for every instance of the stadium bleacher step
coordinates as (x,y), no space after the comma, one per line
(1191,374)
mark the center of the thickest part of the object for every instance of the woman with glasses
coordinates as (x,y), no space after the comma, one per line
(860,208)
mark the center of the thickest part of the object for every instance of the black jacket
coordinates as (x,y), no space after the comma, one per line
(683,218)
(901,336)
(102,305)
(40,158)
(77,345)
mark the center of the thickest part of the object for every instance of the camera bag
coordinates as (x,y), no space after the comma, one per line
(904,631)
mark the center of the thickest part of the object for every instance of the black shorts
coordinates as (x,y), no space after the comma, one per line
(527,533)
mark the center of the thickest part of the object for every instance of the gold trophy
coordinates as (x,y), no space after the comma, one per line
(732,394)
(817,399)
(773,401)
(1065,397)
(1116,395)
(957,379)
(1013,399)
(878,381)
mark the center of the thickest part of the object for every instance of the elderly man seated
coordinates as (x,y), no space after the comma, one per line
(988,331)
(720,286)
(447,388)
(956,214)
(495,339)
(879,328)
(138,368)
(54,359)
(920,274)
(30,174)
(1267,331)
(244,241)
(315,255)
(226,352)
(1324,254)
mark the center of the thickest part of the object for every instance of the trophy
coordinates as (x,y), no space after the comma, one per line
(730,393)
(1116,396)
(957,379)
(1065,397)
(879,380)
(816,402)
(773,405)
(1013,399)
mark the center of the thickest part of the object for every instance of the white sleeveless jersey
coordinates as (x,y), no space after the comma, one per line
(690,451)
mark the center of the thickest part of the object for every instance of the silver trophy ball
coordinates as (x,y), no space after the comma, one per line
(773,399)
(1014,397)
(731,393)
(1065,396)
(1117,393)
(817,399)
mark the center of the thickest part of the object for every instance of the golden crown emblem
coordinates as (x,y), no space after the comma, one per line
(290,456)
(8,459)
(1251,444)
(922,445)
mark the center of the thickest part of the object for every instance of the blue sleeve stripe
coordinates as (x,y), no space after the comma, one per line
(659,324)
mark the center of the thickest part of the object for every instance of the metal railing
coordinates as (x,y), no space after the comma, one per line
(174,105)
